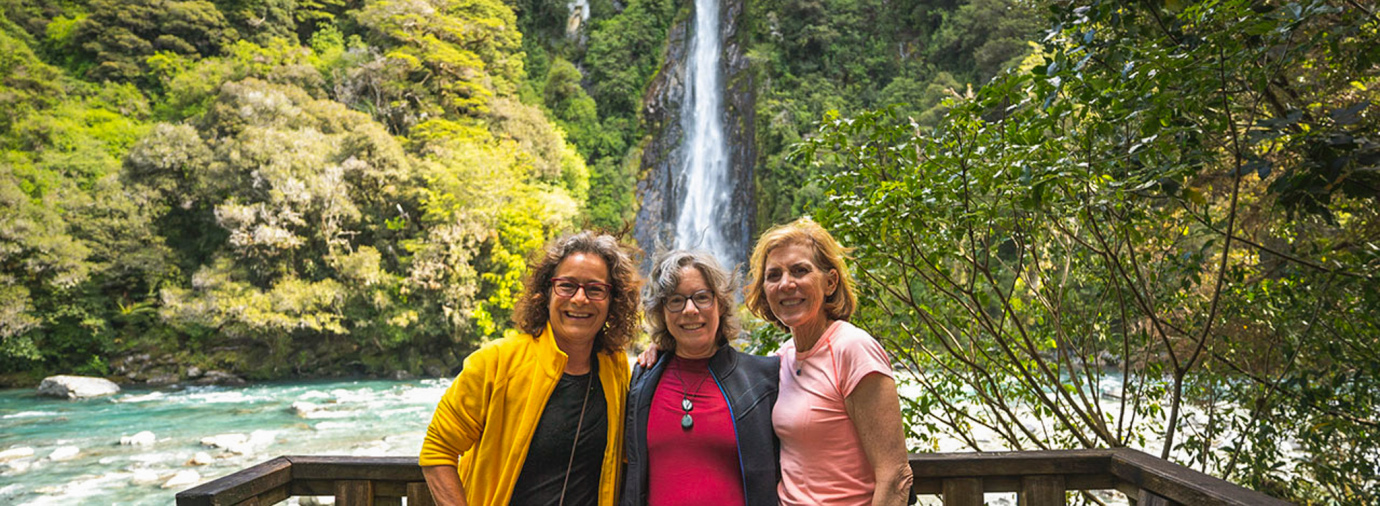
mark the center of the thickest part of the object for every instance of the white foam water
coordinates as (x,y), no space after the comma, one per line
(705,155)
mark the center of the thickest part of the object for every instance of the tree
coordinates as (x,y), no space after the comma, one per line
(1121,219)
(312,203)
(78,254)
(465,51)
(119,35)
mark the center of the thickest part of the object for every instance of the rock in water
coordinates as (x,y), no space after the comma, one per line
(145,477)
(16,453)
(64,453)
(76,387)
(201,459)
(304,408)
(183,479)
(220,378)
(143,438)
(224,441)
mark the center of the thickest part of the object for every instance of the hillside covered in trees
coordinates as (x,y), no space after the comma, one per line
(291,188)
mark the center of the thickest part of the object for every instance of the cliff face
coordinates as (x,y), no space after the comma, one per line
(660,189)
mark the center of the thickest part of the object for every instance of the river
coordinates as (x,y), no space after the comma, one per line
(365,417)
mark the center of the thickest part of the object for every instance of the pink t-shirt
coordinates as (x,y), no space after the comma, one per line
(822,460)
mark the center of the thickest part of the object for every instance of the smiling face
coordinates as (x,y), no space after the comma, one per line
(577,319)
(796,289)
(694,329)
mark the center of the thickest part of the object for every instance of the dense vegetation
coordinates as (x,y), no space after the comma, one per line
(270,187)
(1178,204)
(283,187)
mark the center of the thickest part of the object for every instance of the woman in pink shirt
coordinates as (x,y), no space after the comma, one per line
(837,413)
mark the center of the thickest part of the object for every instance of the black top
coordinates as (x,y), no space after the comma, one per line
(543,473)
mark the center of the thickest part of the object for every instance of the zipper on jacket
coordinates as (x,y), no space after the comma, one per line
(742,473)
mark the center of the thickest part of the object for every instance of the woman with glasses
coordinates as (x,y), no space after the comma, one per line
(536,417)
(699,419)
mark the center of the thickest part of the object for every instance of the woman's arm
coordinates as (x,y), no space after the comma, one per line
(445,486)
(875,409)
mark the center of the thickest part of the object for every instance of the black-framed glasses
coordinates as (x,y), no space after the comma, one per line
(675,303)
(594,290)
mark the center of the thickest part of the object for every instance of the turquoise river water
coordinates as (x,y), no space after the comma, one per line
(38,435)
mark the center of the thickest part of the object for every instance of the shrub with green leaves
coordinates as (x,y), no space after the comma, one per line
(1175,206)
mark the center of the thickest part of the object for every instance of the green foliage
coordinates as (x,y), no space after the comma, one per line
(262,21)
(815,56)
(464,52)
(1127,214)
(118,35)
(28,84)
(302,189)
(270,207)
(624,53)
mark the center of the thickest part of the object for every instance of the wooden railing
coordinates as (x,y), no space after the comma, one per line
(1038,478)
(1043,477)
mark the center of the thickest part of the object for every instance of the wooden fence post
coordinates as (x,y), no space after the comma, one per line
(963,492)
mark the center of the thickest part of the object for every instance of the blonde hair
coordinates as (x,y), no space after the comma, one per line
(828,255)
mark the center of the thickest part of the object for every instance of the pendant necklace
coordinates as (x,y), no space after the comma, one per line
(686,422)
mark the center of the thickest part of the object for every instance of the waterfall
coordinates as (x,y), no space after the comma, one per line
(705,206)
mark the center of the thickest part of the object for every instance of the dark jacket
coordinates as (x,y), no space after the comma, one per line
(749,382)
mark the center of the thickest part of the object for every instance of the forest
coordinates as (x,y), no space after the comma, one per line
(286,188)
(1048,199)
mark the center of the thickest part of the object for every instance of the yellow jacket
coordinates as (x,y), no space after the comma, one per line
(489,413)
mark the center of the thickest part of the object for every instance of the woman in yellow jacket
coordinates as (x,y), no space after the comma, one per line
(536,417)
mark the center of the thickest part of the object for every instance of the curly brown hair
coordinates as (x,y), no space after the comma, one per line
(828,255)
(532,312)
(664,280)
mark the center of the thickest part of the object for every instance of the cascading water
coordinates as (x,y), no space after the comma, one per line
(705,206)
(696,189)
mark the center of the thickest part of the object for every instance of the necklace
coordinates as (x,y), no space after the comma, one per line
(589,386)
(686,421)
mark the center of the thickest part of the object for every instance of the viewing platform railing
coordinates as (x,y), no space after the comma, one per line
(1039,478)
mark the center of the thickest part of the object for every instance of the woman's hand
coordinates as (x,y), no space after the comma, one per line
(647,358)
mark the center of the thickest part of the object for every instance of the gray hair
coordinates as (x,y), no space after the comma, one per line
(666,277)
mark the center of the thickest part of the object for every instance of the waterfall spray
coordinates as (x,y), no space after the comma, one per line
(704,209)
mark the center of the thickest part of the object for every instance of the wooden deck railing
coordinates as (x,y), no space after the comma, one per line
(1038,478)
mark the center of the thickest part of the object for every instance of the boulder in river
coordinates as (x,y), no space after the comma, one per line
(220,378)
(201,459)
(76,387)
(184,478)
(145,477)
(304,408)
(64,453)
(224,441)
(16,453)
(143,438)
